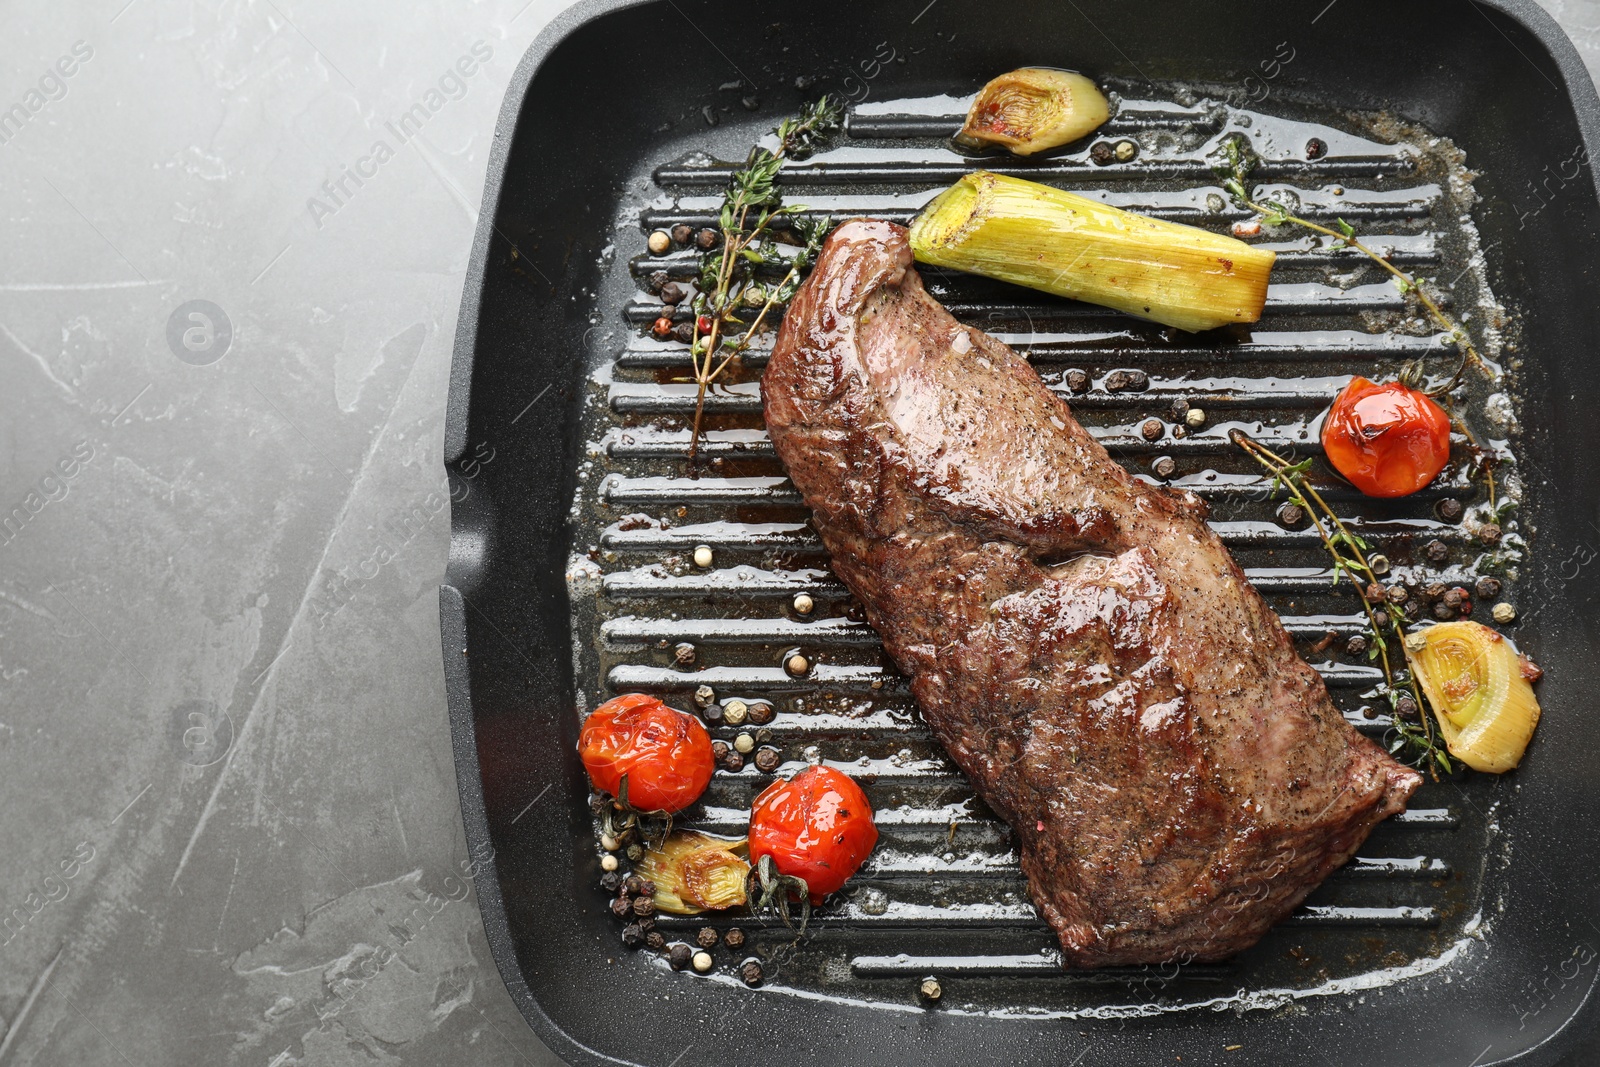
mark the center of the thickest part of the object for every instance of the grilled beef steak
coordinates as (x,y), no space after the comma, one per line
(1085,648)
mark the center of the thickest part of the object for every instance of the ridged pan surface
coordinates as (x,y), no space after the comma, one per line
(943,895)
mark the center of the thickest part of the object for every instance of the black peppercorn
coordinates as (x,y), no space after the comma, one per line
(750,971)
(720,749)
(732,761)
(683,233)
(679,956)
(622,907)
(1397,594)
(655,940)
(712,713)
(734,938)
(633,885)
(683,654)
(658,279)
(1356,646)
(767,760)
(1449,509)
(1452,598)
(1490,534)
(1434,591)
(632,935)
(1151,430)
(706,238)
(1368,711)
(1119,381)
(1437,551)
(1406,708)
(1375,593)
(1164,467)
(611,881)
(1291,514)
(1077,380)
(672,293)
(1444,612)
(1488,588)
(760,713)
(1102,153)
(647,887)
(683,333)
(1180,408)
(1412,608)
(706,937)
(644,907)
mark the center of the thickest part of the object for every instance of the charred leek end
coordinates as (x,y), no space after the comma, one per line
(1481,691)
(1030,234)
(695,872)
(1032,109)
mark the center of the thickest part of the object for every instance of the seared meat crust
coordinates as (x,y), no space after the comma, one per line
(1081,643)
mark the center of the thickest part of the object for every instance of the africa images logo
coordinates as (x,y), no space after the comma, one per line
(452,85)
(52,86)
(199,332)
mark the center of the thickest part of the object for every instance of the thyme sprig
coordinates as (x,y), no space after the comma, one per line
(1238,160)
(1421,742)
(733,303)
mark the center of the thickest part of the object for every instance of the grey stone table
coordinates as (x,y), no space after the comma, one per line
(228,290)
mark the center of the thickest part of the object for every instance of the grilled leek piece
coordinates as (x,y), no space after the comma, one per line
(1031,234)
(1032,109)
(695,872)
(1482,690)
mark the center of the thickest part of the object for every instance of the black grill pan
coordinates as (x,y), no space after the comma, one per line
(1462,934)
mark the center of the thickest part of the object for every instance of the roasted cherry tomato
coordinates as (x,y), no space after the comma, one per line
(816,826)
(1389,440)
(665,753)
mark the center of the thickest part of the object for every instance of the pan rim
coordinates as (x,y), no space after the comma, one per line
(1577,85)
